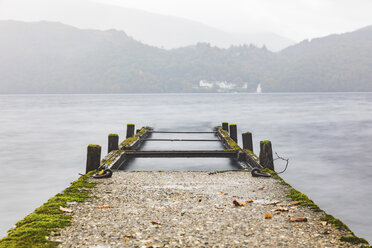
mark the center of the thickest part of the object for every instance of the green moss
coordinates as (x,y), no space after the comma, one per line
(94,145)
(303,199)
(252,155)
(33,229)
(265,141)
(113,134)
(110,158)
(129,141)
(354,240)
(247,133)
(232,145)
(276,176)
(294,194)
(338,223)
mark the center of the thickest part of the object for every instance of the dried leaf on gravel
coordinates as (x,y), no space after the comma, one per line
(66,210)
(104,207)
(155,222)
(268,216)
(299,219)
(222,193)
(272,203)
(129,236)
(262,188)
(281,210)
(241,204)
(324,223)
(295,203)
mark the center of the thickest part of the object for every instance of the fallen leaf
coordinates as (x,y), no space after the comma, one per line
(299,219)
(104,207)
(248,234)
(324,223)
(155,222)
(281,210)
(262,188)
(241,204)
(129,236)
(295,203)
(333,241)
(268,216)
(272,203)
(66,210)
(222,193)
(148,243)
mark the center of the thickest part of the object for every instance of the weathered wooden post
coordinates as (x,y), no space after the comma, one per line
(93,157)
(130,130)
(233,132)
(225,126)
(247,141)
(266,155)
(113,142)
(138,130)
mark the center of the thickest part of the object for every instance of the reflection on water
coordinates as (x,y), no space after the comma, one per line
(326,136)
(182,145)
(182,164)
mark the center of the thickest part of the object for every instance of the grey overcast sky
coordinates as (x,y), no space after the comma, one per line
(295,19)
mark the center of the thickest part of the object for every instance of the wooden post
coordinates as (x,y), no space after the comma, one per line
(113,142)
(233,132)
(247,141)
(130,130)
(93,157)
(138,130)
(266,155)
(225,126)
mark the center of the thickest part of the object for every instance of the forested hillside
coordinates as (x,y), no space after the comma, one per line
(55,58)
(333,63)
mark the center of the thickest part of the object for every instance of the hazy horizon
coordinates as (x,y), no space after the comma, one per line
(292,20)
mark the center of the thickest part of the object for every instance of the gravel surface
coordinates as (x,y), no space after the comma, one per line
(193,209)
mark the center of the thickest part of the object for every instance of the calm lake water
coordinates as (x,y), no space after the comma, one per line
(327,138)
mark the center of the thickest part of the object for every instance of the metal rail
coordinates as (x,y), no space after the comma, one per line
(182,140)
(179,132)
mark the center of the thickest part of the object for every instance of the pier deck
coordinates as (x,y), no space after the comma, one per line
(194,209)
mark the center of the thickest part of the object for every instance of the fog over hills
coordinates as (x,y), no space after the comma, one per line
(47,57)
(149,28)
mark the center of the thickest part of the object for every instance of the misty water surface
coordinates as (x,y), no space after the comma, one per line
(326,136)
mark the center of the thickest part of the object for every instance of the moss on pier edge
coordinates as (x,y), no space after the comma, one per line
(130,141)
(304,200)
(233,146)
(33,230)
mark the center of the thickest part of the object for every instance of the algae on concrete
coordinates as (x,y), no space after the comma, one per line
(33,230)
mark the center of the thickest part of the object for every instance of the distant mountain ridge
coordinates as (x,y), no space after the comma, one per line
(47,57)
(150,28)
